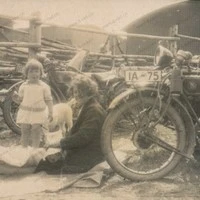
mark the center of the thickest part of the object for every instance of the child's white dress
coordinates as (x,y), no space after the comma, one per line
(32,109)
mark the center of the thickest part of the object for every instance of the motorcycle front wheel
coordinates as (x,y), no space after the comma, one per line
(134,148)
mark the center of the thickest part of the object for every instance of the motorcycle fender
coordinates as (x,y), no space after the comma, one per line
(5,92)
(16,84)
(126,94)
(120,97)
(189,126)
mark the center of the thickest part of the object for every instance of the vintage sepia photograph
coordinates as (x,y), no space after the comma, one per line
(99,99)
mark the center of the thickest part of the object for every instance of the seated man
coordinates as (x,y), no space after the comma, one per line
(82,145)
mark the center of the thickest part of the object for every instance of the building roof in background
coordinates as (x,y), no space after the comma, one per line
(184,14)
(108,14)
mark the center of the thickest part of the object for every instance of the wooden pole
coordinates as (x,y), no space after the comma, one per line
(12,55)
(173,32)
(188,37)
(56,45)
(154,37)
(113,48)
(34,35)
(59,50)
(19,44)
(120,56)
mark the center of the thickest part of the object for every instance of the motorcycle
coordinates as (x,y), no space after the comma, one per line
(59,78)
(156,125)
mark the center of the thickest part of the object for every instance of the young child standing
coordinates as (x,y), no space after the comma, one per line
(33,96)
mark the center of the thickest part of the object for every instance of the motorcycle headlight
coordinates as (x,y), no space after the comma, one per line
(163,57)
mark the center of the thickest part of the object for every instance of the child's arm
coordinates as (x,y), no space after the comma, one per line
(49,104)
(49,101)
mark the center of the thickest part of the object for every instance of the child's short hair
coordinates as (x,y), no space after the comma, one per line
(33,64)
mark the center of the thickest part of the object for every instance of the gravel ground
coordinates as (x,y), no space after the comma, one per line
(183,183)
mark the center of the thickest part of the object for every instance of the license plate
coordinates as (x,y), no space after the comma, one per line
(143,75)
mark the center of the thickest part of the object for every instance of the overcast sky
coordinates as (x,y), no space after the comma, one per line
(109,14)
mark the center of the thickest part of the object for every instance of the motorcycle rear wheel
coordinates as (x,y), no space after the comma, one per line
(10,109)
(123,134)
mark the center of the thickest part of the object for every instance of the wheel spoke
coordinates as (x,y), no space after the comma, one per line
(165,145)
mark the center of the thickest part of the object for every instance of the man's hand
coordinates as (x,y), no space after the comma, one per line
(64,154)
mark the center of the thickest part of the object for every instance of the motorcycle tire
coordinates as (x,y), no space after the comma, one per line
(10,108)
(123,134)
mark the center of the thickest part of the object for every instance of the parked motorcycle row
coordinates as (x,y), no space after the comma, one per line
(153,113)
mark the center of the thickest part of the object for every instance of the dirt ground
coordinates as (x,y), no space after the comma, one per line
(183,183)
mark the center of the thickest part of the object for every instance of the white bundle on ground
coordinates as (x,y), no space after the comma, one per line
(19,160)
(52,139)
(19,156)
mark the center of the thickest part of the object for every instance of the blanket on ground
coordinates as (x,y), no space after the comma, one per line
(16,171)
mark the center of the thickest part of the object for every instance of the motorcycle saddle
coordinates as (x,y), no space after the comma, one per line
(105,78)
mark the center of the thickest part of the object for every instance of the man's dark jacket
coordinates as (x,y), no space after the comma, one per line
(83,144)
